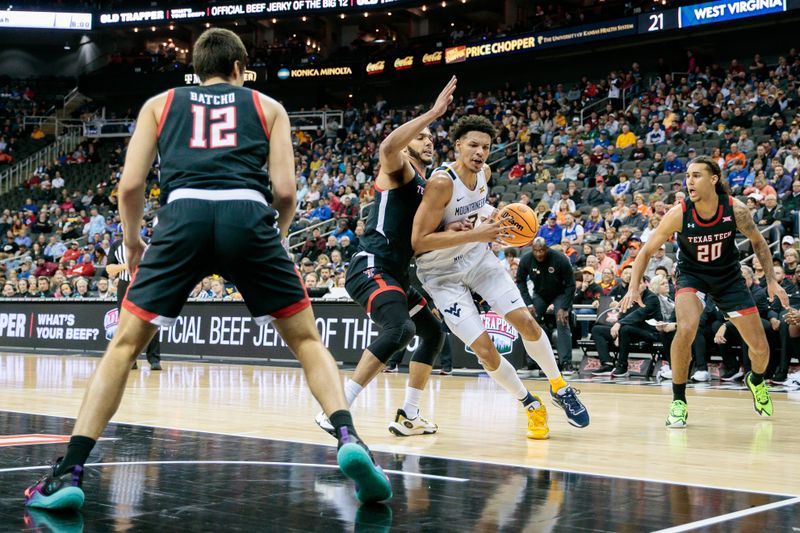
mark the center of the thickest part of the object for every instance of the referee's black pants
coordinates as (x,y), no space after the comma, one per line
(153,350)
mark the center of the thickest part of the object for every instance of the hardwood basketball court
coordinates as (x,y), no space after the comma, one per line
(199,439)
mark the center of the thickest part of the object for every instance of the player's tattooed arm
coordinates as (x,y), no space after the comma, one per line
(746,225)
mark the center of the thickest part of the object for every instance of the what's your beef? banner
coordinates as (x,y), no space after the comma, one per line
(203,329)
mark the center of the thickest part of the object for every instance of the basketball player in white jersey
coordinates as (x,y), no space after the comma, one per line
(452,264)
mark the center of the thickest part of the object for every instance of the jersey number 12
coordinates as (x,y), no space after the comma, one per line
(219,128)
(709,252)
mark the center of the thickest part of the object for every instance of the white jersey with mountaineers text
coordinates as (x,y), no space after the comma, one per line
(464,204)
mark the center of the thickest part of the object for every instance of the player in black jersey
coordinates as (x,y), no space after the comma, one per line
(378,275)
(213,142)
(708,266)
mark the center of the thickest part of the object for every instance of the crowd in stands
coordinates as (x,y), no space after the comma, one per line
(599,184)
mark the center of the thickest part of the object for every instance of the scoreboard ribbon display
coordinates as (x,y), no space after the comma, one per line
(245,9)
(722,11)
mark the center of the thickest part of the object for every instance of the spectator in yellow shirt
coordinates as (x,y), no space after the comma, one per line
(626,138)
(37,133)
(155,192)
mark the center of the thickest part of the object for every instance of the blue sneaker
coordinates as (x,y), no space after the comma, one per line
(355,461)
(576,412)
(57,492)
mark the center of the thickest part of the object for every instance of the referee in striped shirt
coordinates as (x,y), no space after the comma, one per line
(117,266)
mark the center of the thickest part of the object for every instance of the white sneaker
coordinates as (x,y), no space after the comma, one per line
(525,373)
(665,372)
(792,381)
(405,427)
(701,375)
(324,424)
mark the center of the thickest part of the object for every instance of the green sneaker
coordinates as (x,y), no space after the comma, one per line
(678,413)
(762,403)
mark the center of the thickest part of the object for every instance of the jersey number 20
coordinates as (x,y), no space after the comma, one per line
(221,133)
(709,252)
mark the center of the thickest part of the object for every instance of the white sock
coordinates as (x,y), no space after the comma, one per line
(506,376)
(541,352)
(411,406)
(351,390)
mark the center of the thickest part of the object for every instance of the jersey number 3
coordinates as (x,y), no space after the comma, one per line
(709,252)
(221,125)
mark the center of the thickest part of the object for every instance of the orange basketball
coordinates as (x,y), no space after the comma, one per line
(520,223)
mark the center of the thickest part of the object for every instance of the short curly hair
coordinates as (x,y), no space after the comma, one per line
(472,123)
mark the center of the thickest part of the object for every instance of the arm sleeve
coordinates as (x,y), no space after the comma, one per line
(112,254)
(523,273)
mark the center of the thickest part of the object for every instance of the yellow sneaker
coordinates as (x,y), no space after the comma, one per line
(537,422)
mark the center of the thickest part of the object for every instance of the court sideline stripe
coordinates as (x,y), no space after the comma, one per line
(729,516)
(391,449)
(258,463)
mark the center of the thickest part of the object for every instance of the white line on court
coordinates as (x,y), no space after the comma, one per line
(257,463)
(392,449)
(730,516)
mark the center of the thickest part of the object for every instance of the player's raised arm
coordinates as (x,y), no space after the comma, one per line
(665,229)
(392,146)
(281,164)
(745,224)
(425,236)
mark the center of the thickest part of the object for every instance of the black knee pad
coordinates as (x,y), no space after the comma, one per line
(431,337)
(393,338)
(397,328)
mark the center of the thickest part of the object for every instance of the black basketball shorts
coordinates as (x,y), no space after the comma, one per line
(729,293)
(367,280)
(234,238)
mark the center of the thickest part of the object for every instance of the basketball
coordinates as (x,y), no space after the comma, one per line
(520,223)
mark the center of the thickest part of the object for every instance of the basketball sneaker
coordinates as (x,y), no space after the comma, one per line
(732,375)
(567,399)
(665,372)
(762,403)
(324,424)
(537,421)
(356,462)
(57,492)
(390,369)
(405,427)
(678,413)
(620,372)
(604,370)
